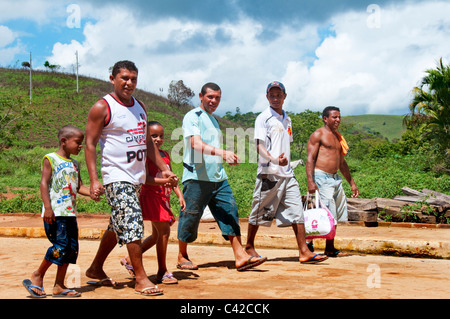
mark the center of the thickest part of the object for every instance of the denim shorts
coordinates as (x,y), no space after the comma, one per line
(126,215)
(63,234)
(220,200)
(332,193)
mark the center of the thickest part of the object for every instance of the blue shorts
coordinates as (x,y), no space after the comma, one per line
(332,194)
(221,202)
(63,234)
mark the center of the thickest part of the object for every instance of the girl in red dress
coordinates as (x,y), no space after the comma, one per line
(155,205)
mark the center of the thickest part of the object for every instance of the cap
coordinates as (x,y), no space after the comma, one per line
(276,84)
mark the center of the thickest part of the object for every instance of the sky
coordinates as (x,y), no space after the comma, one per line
(363,56)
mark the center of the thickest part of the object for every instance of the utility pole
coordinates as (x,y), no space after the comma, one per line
(76,54)
(31,82)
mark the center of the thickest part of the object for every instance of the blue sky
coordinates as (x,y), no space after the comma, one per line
(363,56)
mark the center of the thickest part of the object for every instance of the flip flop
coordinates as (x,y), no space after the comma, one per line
(28,286)
(65,294)
(336,253)
(250,264)
(143,292)
(128,267)
(187,263)
(314,260)
(167,279)
(101,283)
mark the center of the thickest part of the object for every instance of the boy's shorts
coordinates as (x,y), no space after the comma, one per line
(220,200)
(276,198)
(332,194)
(63,234)
(126,215)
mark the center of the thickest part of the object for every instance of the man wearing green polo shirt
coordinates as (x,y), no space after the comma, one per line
(205,182)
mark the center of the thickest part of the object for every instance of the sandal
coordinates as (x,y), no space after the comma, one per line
(144,292)
(128,267)
(167,279)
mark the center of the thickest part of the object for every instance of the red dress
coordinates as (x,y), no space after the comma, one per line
(155,199)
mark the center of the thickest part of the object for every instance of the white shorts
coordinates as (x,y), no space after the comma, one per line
(276,198)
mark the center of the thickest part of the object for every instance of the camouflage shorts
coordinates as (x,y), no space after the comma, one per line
(126,215)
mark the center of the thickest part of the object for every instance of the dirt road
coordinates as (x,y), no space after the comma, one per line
(281,277)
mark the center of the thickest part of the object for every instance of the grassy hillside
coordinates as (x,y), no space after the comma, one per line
(389,126)
(57,103)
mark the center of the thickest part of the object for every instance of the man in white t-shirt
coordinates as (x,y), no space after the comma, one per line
(277,194)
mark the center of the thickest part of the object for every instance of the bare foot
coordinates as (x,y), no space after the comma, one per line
(63,290)
(147,288)
(100,275)
(312,258)
(251,252)
(250,262)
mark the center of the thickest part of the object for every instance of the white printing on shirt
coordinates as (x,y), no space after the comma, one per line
(123,143)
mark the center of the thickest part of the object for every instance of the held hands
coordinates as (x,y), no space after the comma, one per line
(96,190)
(171,179)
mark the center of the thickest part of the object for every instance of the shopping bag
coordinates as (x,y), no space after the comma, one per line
(319,222)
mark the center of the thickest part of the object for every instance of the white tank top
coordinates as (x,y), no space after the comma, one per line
(123,142)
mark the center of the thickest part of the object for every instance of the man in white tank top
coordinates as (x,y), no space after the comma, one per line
(118,122)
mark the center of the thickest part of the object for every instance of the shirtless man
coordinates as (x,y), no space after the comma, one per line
(326,155)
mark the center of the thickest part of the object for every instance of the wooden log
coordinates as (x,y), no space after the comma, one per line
(385,202)
(412,192)
(362,203)
(361,215)
(436,194)
(415,199)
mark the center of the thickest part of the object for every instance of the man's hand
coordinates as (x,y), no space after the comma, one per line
(355,191)
(171,178)
(282,160)
(312,187)
(96,190)
(231,158)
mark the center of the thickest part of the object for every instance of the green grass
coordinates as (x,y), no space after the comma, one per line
(389,126)
(57,103)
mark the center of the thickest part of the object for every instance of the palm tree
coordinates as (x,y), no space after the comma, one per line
(430,107)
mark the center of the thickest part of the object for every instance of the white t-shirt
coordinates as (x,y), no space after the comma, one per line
(123,142)
(275,131)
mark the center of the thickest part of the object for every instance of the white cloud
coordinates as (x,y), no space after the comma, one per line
(8,45)
(358,68)
(373,70)
(231,54)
